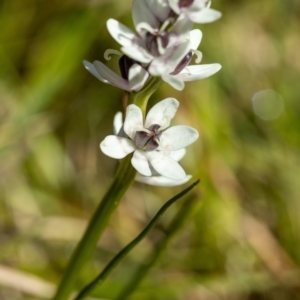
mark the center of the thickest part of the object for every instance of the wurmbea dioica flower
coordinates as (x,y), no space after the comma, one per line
(184,72)
(153,145)
(155,178)
(197,11)
(164,44)
(133,74)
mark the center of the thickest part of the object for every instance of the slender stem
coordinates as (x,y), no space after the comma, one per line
(123,179)
(177,223)
(115,261)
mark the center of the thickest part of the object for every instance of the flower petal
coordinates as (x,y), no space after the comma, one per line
(159,8)
(118,122)
(165,165)
(195,38)
(197,72)
(182,26)
(121,33)
(116,147)
(141,13)
(178,154)
(174,4)
(111,77)
(91,68)
(140,163)
(177,137)
(162,113)
(206,15)
(161,180)
(137,77)
(173,81)
(137,53)
(133,120)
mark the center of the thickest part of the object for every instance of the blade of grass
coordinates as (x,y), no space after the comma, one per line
(177,223)
(116,260)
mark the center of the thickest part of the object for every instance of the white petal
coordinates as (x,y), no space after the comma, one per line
(182,26)
(161,180)
(91,68)
(174,4)
(133,120)
(160,9)
(116,147)
(162,113)
(141,13)
(121,33)
(167,63)
(205,15)
(137,53)
(118,122)
(112,77)
(137,77)
(165,165)
(178,154)
(197,72)
(195,38)
(140,163)
(178,137)
(173,81)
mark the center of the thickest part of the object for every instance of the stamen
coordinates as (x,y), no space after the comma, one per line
(160,47)
(148,139)
(166,23)
(198,54)
(145,26)
(108,52)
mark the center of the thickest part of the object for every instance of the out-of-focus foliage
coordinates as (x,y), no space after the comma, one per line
(243,242)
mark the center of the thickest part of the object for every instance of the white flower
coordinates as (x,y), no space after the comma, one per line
(153,145)
(160,43)
(155,178)
(134,77)
(183,72)
(197,11)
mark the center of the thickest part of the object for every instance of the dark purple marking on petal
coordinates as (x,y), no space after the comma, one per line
(125,63)
(184,62)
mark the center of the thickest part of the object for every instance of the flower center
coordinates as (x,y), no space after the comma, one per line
(156,42)
(185,3)
(148,139)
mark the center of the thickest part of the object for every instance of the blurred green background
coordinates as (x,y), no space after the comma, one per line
(241,239)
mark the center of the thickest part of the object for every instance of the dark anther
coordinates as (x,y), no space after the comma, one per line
(148,141)
(185,61)
(185,3)
(152,44)
(125,63)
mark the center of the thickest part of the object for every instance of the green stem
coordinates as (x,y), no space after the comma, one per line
(177,223)
(124,177)
(141,97)
(115,261)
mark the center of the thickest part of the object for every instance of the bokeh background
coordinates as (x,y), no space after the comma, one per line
(241,235)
